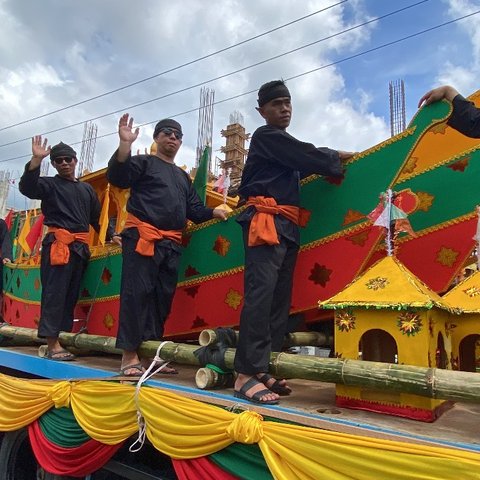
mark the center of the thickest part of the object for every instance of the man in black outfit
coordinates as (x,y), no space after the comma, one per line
(69,207)
(465,116)
(161,199)
(5,257)
(271,187)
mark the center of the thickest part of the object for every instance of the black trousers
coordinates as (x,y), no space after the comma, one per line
(146,293)
(268,293)
(60,290)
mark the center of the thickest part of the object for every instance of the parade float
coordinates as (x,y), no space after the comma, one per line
(336,245)
(78,420)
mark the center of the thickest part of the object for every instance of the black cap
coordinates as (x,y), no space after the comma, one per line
(62,150)
(167,123)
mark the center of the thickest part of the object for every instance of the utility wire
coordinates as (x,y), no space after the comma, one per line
(191,87)
(337,62)
(191,62)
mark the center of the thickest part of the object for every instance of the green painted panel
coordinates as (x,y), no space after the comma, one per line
(454,192)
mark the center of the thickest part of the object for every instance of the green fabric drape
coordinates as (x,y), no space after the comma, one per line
(61,428)
(244,461)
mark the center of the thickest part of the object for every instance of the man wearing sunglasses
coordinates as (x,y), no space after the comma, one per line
(161,200)
(69,207)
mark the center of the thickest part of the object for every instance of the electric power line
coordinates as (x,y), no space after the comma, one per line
(191,62)
(342,60)
(191,87)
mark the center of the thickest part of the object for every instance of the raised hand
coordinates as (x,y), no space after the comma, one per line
(346,155)
(125,129)
(439,93)
(39,148)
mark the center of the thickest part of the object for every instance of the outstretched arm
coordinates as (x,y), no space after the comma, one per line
(439,93)
(465,116)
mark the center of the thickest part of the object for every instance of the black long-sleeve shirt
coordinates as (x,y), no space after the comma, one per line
(275,164)
(465,117)
(161,193)
(5,241)
(67,204)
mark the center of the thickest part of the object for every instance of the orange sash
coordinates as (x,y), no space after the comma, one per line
(59,251)
(262,227)
(148,234)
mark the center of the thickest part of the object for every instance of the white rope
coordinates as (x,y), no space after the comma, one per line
(142,428)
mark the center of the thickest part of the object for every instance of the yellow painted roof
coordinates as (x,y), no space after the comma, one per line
(466,295)
(386,284)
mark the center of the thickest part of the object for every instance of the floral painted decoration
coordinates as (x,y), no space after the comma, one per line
(377,283)
(345,321)
(409,323)
(472,291)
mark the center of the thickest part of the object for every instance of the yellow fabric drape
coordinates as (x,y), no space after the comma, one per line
(22,237)
(182,428)
(104,216)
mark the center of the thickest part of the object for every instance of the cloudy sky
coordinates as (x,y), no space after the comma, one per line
(58,53)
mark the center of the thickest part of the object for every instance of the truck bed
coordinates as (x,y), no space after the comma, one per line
(311,403)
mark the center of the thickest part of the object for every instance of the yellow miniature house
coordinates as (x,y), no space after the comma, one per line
(465,329)
(389,315)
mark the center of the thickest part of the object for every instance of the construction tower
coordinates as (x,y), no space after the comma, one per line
(87,153)
(4,189)
(205,124)
(396,91)
(234,150)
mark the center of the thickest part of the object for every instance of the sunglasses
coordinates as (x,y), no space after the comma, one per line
(60,160)
(168,131)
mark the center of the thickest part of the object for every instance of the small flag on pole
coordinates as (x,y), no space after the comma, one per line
(201,177)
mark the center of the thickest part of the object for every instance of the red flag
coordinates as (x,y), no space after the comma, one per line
(8,219)
(35,232)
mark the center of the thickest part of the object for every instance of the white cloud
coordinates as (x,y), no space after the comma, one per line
(59,53)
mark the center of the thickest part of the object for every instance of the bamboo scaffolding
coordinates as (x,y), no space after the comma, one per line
(423,381)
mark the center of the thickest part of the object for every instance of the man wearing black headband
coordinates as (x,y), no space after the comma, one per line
(465,116)
(161,199)
(271,187)
(69,207)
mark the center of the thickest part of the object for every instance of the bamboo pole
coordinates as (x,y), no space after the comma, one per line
(206,378)
(294,339)
(314,339)
(423,381)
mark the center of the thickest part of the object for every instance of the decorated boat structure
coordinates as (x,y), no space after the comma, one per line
(384,341)
(336,245)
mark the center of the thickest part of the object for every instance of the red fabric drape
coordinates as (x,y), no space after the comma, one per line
(73,461)
(35,232)
(200,469)
(8,219)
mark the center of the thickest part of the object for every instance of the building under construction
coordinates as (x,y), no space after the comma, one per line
(234,150)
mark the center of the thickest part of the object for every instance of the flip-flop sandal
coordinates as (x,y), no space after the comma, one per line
(136,367)
(60,355)
(168,371)
(276,387)
(256,397)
